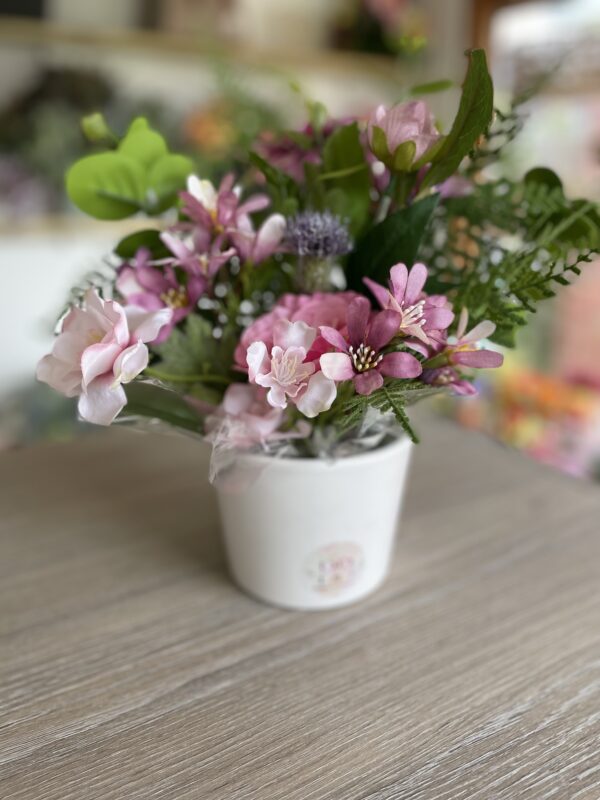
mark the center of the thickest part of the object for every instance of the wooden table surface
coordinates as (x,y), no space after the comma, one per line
(132,668)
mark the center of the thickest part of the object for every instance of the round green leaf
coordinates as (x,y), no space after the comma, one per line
(107,185)
(168,176)
(142,143)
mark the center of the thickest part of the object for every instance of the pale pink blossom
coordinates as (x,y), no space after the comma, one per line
(285,372)
(244,417)
(320,308)
(404,122)
(100,347)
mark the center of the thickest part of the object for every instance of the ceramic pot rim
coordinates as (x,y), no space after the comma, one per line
(388,450)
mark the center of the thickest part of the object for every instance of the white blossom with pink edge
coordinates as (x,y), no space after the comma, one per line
(100,347)
(286,373)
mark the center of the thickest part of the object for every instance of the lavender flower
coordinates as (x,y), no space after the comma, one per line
(317,235)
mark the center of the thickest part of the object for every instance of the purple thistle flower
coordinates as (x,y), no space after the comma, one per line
(317,234)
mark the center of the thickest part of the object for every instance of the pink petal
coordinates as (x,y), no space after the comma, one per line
(145,325)
(238,398)
(102,400)
(334,338)
(131,362)
(268,237)
(414,286)
(463,321)
(293,334)
(438,319)
(98,359)
(337,366)
(366,382)
(400,365)
(399,279)
(384,327)
(254,204)
(61,376)
(480,359)
(380,293)
(258,360)
(359,312)
(319,395)
(482,331)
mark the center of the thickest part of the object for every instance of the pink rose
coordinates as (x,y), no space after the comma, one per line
(320,308)
(100,347)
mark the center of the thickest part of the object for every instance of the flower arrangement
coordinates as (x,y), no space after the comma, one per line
(355,267)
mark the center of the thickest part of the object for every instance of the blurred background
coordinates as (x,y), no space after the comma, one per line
(213,75)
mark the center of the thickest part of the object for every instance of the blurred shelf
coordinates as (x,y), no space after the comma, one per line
(21,31)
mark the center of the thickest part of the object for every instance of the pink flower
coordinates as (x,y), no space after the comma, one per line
(193,257)
(219,213)
(247,416)
(389,128)
(144,285)
(420,316)
(447,377)
(100,347)
(284,370)
(465,350)
(320,308)
(256,246)
(286,154)
(361,359)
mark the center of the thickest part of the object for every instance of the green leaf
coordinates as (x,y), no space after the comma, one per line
(404,156)
(167,176)
(150,239)
(195,352)
(379,144)
(394,240)
(142,143)
(472,119)
(107,185)
(431,88)
(545,176)
(343,156)
(140,175)
(148,400)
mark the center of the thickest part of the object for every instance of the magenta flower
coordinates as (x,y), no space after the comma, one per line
(420,315)
(465,349)
(361,359)
(448,378)
(389,128)
(256,246)
(193,258)
(286,373)
(142,284)
(101,346)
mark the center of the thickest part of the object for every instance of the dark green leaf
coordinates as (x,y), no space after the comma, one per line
(343,156)
(472,119)
(394,240)
(148,400)
(150,239)
(545,176)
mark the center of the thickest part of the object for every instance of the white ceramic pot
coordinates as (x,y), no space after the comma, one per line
(311,534)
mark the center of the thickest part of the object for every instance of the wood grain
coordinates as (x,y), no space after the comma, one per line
(131,668)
